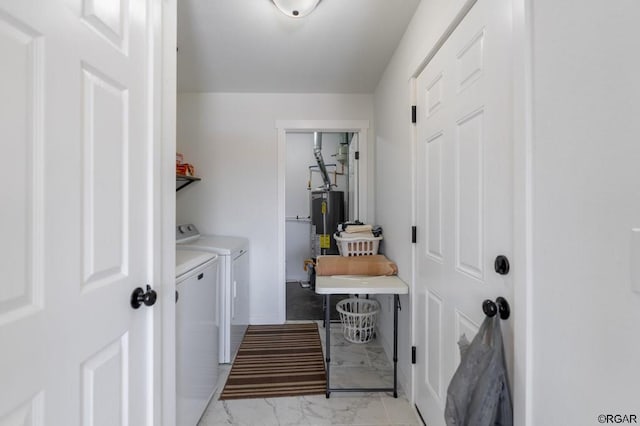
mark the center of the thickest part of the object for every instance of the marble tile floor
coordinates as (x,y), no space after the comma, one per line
(351,365)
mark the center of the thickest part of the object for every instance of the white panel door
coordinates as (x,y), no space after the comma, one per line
(74,119)
(354,179)
(464,195)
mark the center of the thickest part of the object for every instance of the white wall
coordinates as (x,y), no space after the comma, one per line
(298,246)
(586,198)
(298,243)
(232,140)
(393,167)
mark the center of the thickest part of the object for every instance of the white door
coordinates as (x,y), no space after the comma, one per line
(354,179)
(74,134)
(464,195)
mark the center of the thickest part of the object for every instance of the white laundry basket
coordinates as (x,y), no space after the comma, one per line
(363,246)
(358,317)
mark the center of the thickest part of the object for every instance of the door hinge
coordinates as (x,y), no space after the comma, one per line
(414,234)
(414,114)
(357,153)
(413,355)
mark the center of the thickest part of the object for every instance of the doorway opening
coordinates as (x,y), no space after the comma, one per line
(320,185)
(321,192)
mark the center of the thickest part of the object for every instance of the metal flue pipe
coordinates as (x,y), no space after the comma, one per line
(317,152)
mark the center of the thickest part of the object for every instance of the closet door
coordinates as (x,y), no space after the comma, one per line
(464,195)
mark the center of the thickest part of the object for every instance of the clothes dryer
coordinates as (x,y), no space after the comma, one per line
(234,311)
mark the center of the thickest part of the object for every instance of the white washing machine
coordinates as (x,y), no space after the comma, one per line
(234,282)
(197,325)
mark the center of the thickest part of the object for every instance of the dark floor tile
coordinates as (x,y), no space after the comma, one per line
(305,304)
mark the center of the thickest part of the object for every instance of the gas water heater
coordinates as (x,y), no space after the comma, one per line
(327,211)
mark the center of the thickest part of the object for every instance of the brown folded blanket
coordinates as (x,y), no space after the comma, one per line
(355,265)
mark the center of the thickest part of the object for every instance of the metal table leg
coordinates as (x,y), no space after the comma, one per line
(327,327)
(396,306)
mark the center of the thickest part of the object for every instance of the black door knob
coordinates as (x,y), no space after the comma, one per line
(139,296)
(501,265)
(489,308)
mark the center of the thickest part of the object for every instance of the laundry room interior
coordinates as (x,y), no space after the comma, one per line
(253,154)
(303,212)
(248,124)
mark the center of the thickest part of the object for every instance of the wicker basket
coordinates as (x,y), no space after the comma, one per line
(358,317)
(365,246)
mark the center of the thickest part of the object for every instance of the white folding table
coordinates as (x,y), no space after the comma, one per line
(357,284)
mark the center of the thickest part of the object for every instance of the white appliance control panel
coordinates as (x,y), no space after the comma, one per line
(186,232)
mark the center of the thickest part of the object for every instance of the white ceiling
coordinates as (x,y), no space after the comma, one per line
(249,46)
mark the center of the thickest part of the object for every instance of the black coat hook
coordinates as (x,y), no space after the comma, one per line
(503,308)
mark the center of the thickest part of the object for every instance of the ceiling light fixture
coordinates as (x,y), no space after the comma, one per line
(296,8)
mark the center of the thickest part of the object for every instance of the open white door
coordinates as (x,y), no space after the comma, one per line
(75,126)
(354,178)
(464,195)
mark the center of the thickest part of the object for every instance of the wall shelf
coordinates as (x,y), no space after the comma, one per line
(185,180)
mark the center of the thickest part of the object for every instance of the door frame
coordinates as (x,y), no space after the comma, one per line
(522,309)
(290,126)
(165,17)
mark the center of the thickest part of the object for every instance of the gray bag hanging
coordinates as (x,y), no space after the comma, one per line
(479,393)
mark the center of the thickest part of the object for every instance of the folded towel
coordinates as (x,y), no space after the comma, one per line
(374,265)
(356,235)
(357,228)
